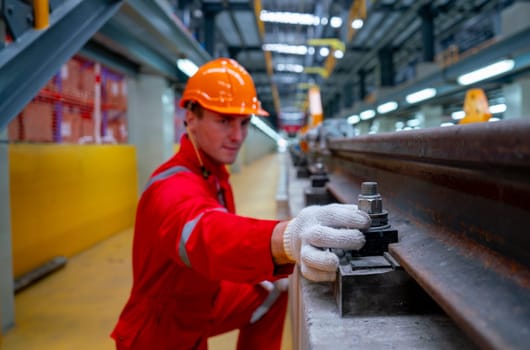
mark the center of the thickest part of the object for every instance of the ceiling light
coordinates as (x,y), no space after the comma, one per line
(284,48)
(289,18)
(335,22)
(187,66)
(338,54)
(494,119)
(387,107)
(458,115)
(413,123)
(500,108)
(421,95)
(357,24)
(368,114)
(288,67)
(399,125)
(324,51)
(324,21)
(486,72)
(447,124)
(260,124)
(353,119)
(310,50)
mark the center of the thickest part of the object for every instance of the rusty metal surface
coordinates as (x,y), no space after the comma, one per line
(481,145)
(460,199)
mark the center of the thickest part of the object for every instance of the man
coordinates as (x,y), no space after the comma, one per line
(199,269)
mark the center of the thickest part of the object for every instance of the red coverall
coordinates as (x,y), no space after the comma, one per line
(196,264)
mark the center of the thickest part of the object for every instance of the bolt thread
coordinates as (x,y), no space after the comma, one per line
(369,188)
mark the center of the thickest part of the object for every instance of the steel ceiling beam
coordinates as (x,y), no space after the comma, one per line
(158,17)
(27,64)
(139,50)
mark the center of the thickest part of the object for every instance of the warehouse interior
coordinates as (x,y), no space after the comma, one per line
(89,93)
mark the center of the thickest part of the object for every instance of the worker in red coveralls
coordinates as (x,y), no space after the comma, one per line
(199,269)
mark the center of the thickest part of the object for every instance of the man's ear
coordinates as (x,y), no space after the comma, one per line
(189,118)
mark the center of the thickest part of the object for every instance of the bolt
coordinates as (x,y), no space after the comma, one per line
(369,200)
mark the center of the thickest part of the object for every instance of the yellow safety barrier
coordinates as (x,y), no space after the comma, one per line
(66,198)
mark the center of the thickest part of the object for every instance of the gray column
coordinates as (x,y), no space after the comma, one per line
(151,122)
(7,297)
(430,116)
(515,18)
(517,97)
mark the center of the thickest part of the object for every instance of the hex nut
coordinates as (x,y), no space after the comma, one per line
(371,204)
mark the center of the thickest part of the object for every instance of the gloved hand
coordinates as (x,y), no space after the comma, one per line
(316,228)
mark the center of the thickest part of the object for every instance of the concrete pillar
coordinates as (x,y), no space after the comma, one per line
(430,116)
(517,94)
(151,110)
(387,123)
(7,297)
(364,127)
(517,99)
(515,18)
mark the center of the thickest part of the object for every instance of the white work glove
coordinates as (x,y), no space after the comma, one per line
(317,228)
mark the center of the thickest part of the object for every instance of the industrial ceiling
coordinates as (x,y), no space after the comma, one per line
(400,46)
(398,43)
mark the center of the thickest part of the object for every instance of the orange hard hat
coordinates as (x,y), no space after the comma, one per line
(223,86)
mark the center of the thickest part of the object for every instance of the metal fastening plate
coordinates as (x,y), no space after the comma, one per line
(18,17)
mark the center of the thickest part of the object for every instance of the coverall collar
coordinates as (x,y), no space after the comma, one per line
(187,150)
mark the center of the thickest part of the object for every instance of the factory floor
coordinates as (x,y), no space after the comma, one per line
(77,306)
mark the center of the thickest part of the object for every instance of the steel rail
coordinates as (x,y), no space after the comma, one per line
(460,198)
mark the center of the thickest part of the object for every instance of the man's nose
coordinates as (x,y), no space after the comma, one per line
(236,131)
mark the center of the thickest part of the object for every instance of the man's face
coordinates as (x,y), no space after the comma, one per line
(220,136)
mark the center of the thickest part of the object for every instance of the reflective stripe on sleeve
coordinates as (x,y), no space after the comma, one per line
(165,174)
(186,233)
(274,294)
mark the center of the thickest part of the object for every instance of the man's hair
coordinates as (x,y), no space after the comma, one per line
(195,108)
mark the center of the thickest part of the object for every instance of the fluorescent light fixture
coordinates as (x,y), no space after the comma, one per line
(413,123)
(458,115)
(387,107)
(338,54)
(492,70)
(357,24)
(288,67)
(324,51)
(282,144)
(265,128)
(447,124)
(421,95)
(368,114)
(289,18)
(495,109)
(284,48)
(494,119)
(353,119)
(187,66)
(335,22)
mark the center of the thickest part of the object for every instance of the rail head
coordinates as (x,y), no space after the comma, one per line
(460,199)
